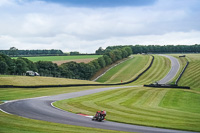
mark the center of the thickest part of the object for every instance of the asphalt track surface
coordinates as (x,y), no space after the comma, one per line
(174,70)
(41,108)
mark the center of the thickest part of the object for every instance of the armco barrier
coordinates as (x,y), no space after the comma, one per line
(181,73)
(76,85)
(167,86)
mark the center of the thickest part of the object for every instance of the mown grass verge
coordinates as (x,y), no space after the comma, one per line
(157,107)
(191,76)
(31,81)
(127,70)
(161,66)
(60,58)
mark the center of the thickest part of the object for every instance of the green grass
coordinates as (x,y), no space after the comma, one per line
(16,124)
(161,66)
(20,93)
(60,58)
(126,70)
(37,80)
(166,108)
(191,77)
(131,68)
(182,62)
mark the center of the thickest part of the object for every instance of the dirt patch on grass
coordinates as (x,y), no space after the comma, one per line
(76,60)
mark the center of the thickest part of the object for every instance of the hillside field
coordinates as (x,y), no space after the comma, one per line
(61,58)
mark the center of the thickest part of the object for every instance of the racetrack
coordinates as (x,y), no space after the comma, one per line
(174,70)
(41,109)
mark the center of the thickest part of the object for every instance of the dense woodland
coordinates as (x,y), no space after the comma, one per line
(156,49)
(72,70)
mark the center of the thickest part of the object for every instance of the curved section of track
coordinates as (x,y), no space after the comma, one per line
(175,66)
(41,109)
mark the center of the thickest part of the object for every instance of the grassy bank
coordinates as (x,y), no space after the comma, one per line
(20,93)
(166,108)
(126,70)
(28,81)
(159,70)
(191,76)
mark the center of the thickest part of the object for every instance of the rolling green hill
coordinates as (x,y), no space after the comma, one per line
(166,108)
(133,67)
(126,70)
(191,77)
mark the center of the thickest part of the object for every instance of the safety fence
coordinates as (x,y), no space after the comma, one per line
(176,83)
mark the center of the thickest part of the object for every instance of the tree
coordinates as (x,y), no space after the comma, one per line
(100,51)
(101,62)
(3,67)
(95,63)
(20,66)
(107,60)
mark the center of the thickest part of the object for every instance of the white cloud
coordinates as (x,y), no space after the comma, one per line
(40,25)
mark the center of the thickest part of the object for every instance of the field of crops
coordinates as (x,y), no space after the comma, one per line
(166,108)
(61,58)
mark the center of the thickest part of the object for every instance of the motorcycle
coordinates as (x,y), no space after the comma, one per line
(99,117)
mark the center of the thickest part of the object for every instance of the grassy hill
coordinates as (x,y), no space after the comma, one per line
(126,70)
(133,67)
(166,108)
(191,76)
(159,69)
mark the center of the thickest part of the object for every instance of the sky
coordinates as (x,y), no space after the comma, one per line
(86,25)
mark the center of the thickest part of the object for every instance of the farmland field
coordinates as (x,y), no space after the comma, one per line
(61,58)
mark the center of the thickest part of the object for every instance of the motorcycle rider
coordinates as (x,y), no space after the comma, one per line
(102,113)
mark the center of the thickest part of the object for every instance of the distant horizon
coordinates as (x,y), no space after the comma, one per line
(100,46)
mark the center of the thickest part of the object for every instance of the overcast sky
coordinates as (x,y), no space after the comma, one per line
(86,25)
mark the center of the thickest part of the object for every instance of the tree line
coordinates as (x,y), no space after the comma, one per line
(15,52)
(72,70)
(155,49)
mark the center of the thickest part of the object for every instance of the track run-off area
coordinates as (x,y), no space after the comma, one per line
(41,108)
